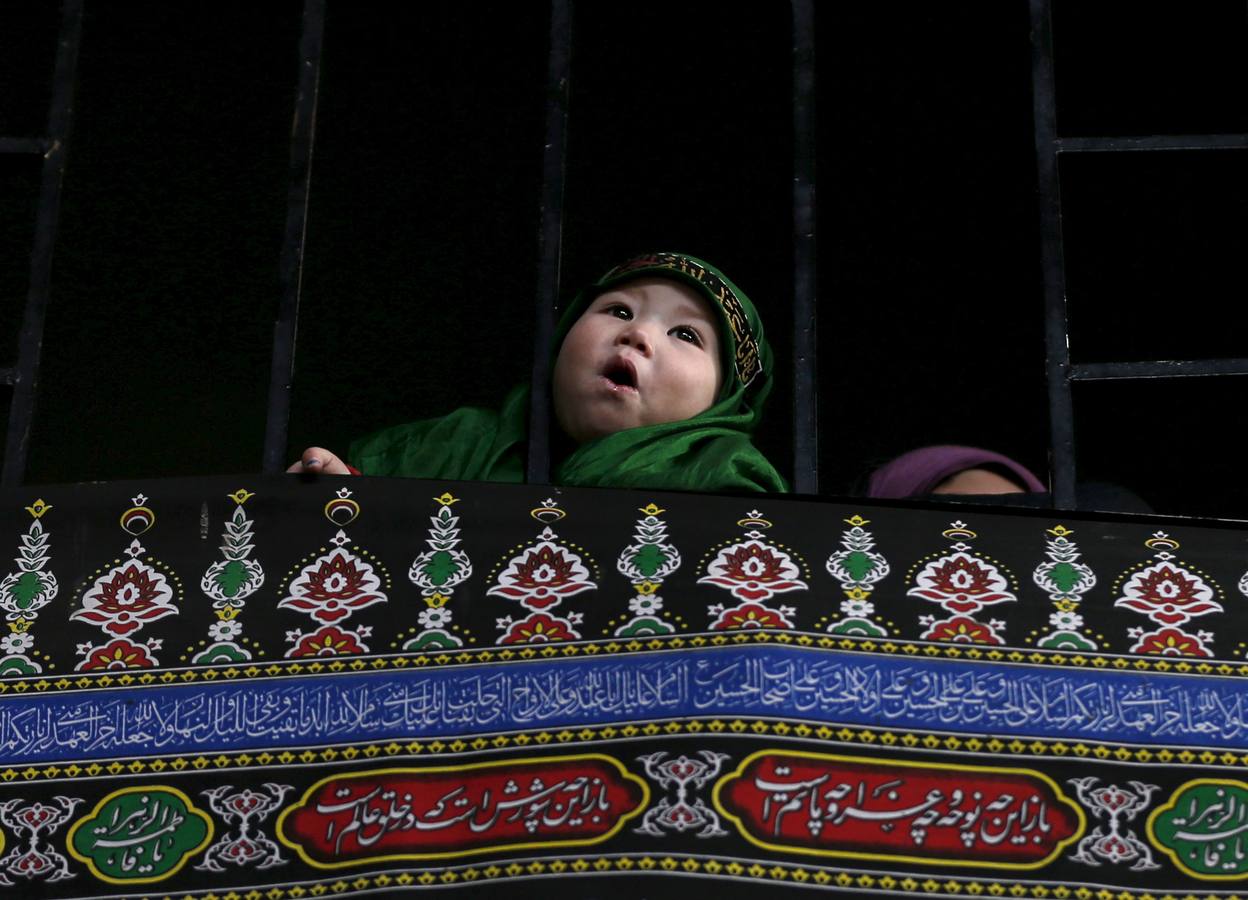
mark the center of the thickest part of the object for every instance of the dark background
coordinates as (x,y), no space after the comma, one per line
(421,251)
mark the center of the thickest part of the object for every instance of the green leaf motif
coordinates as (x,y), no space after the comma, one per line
(432,640)
(1065,576)
(18,665)
(28,586)
(649,559)
(858,564)
(858,628)
(222,653)
(233,578)
(1067,640)
(440,567)
(644,626)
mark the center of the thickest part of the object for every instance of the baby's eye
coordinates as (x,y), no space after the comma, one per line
(619,311)
(685,333)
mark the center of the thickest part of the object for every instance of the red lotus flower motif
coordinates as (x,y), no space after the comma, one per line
(246,801)
(35,815)
(333,587)
(1111,797)
(1115,849)
(126,598)
(542,576)
(117,654)
(327,641)
(31,864)
(1168,595)
(242,851)
(1171,642)
(961,630)
(753,571)
(539,628)
(961,583)
(750,615)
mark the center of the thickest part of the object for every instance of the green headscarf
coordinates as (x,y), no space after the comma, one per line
(711,451)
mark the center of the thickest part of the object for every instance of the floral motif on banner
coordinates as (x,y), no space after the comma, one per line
(753,615)
(228,582)
(961,630)
(128,597)
(1172,642)
(646,563)
(125,599)
(858,568)
(753,571)
(1066,580)
(1114,806)
(35,856)
(1170,595)
(245,809)
(328,640)
(437,572)
(541,628)
(333,587)
(540,577)
(119,653)
(683,811)
(962,583)
(23,593)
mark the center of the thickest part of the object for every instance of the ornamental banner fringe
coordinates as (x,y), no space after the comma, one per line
(274,687)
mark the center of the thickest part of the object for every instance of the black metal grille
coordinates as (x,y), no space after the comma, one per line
(1062,374)
(53,146)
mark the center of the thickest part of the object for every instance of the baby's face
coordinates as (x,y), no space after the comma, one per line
(644,353)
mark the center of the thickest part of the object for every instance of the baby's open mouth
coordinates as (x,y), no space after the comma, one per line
(620,374)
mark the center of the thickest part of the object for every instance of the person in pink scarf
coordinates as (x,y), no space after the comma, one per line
(949,469)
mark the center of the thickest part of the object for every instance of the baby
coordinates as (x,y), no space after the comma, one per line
(660,378)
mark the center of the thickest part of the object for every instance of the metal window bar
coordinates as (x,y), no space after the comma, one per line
(302,141)
(1061,372)
(24,376)
(805,368)
(549,237)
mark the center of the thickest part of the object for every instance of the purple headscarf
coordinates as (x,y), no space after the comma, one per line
(920,471)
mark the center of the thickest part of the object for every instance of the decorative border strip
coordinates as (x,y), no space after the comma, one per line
(1057,658)
(689,864)
(782,728)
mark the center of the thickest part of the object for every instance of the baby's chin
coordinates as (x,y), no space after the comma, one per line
(583,426)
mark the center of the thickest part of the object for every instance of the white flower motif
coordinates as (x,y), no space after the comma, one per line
(1066,620)
(225,630)
(434,617)
(645,604)
(858,608)
(16,642)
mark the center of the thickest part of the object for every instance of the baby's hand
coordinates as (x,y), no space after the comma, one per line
(319,460)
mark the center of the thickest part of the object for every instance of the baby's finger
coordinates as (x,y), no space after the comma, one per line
(318,459)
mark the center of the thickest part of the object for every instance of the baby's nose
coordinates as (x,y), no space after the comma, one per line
(636,337)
